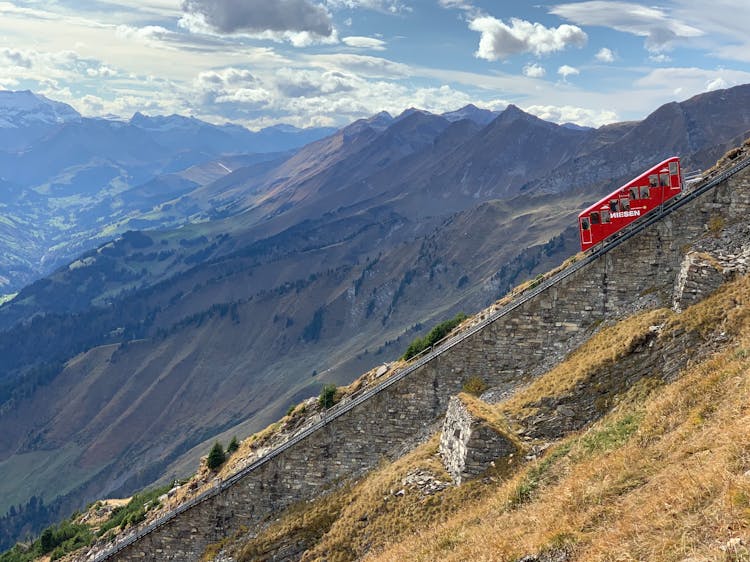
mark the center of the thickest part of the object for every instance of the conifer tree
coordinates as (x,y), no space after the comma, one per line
(216,456)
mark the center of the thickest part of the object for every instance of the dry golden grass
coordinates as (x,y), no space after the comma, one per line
(491,415)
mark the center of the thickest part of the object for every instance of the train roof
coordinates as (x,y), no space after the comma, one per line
(604,200)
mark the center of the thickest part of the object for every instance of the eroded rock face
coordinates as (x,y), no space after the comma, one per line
(469,443)
(714,260)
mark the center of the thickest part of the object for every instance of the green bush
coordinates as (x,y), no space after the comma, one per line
(327,397)
(233,445)
(435,335)
(216,456)
(135,510)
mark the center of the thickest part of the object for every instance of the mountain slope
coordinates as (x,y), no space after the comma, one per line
(335,282)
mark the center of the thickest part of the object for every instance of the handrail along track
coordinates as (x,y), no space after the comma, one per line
(435,351)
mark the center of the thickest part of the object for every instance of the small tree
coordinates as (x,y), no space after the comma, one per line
(233,445)
(327,395)
(216,456)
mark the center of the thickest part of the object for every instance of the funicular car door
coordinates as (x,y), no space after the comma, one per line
(674,176)
(585,225)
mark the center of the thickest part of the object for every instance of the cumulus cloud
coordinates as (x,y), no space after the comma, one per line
(567,70)
(305,83)
(605,55)
(101,71)
(257,16)
(231,85)
(571,114)
(659,28)
(499,40)
(15,57)
(364,43)
(534,71)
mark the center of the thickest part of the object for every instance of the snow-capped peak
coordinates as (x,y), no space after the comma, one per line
(24,108)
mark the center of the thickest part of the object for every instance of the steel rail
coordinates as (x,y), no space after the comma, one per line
(435,351)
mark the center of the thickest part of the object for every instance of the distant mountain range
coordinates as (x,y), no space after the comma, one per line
(285,271)
(65,179)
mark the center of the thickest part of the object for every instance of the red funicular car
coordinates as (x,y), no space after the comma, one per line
(629,202)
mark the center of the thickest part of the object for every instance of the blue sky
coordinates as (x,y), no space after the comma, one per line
(328,62)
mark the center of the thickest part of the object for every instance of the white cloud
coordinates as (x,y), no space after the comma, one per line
(364,43)
(567,70)
(572,114)
(534,71)
(361,65)
(605,55)
(101,71)
(659,28)
(15,57)
(659,57)
(725,25)
(457,4)
(499,40)
(689,81)
(385,6)
(295,83)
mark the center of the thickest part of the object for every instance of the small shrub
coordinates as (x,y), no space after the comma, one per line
(436,334)
(233,445)
(216,456)
(327,396)
(475,386)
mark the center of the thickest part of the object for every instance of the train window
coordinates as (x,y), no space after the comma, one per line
(595,218)
(633,193)
(645,192)
(673,168)
(664,180)
(605,216)
(653,180)
(614,205)
(624,204)
(585,223)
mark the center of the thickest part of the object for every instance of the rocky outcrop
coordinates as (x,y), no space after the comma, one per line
(473,439)
(715,259)
(699,276)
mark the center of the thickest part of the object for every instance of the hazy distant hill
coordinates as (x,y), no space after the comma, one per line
(313,268)
(67,180)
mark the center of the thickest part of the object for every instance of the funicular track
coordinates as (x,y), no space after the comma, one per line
(432,353)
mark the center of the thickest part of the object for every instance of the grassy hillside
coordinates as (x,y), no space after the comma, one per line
(664,475)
